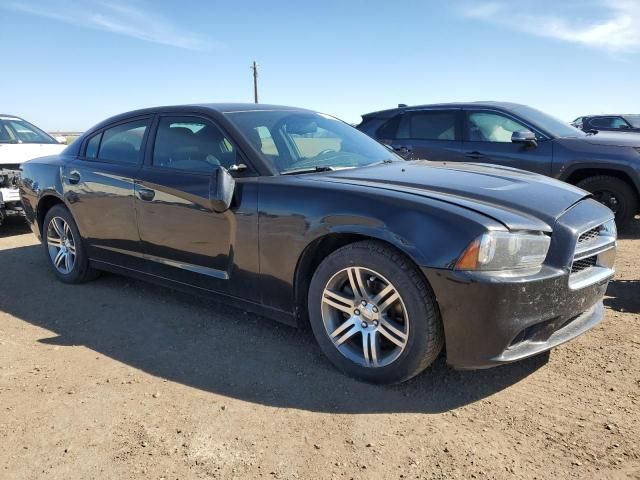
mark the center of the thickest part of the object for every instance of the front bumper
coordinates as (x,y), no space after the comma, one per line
(491,321)
(10,202)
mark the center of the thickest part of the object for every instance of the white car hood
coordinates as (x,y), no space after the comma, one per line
(17,153)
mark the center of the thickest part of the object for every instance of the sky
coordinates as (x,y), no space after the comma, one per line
(68,64)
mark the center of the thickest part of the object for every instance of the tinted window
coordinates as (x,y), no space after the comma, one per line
(122,144)
(192,144)
(603,122)
(92,146)
(390,128)
(491,127)
(546,122)
(431,125)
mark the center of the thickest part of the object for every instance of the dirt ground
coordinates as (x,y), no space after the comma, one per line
(121,379)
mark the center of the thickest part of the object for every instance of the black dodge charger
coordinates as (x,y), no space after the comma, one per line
(300,217)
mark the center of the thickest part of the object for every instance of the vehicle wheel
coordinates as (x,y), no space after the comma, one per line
(373,314)
(64,247)
(615,194)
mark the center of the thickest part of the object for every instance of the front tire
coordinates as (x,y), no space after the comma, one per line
(614,193)
(64,247)
(373,313)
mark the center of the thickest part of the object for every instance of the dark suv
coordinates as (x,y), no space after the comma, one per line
(605,164)
(608,123)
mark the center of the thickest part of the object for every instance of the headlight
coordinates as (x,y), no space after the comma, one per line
(505,251)
(609,229)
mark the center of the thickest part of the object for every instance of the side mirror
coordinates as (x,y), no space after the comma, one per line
(221,189)
(61,139)
(525,136)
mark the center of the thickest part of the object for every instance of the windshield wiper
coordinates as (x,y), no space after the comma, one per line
(314,169)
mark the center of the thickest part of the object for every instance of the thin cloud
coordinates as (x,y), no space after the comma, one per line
(134,19)
(616,28)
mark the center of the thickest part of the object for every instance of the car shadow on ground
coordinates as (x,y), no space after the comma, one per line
(13,226)
(623,296)
(207,345)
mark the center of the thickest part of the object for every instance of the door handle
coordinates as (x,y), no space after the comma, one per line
(474,154)
(146,194)
(74,177)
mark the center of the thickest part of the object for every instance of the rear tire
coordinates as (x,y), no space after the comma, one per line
(615,194)
(373,313)
(64,247)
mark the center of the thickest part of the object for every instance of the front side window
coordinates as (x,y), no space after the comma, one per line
(20,131)
(491,127)
(192,144)
(123,143)
(430,125)
(292,140)
(603,122)
(634,120)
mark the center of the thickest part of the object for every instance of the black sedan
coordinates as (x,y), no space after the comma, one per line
(300,217)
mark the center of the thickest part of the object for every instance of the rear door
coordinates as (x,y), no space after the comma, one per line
(100,188)
(429,134)
(487,139)
(183,238)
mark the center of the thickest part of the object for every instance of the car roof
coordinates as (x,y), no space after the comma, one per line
(610,115)
(485,103)
(13,117)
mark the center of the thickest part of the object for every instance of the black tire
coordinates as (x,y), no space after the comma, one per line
(425,333)
(626,198)
(81,270)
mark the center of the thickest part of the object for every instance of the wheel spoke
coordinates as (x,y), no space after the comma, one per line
(357,285)
(338,301)
(59,257)
(370,348)
(53,242)
(392,333)
(390,300)
(343,337)
(67,230)
(57,227)
(72,248)
(67,261)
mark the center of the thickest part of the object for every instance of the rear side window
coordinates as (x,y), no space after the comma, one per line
(426,125)
(390,128)
(123,143)
(92,146)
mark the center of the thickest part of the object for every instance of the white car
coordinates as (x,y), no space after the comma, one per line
(20,141)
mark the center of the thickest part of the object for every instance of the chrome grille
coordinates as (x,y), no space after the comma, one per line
(588,236)
(583,264)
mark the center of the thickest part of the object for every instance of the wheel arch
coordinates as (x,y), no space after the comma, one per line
(581,172)
(46,203)
(324,245)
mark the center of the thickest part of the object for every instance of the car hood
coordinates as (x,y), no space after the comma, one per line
(517,199)
(17,153)
(628,139)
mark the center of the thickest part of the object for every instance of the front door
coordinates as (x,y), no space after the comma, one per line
(487,139)
(183,238)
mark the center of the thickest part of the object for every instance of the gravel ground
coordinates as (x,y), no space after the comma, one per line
(121,379)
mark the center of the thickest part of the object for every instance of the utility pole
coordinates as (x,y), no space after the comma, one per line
(255,81)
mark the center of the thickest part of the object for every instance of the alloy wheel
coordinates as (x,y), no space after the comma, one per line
(365,317)
(61,245)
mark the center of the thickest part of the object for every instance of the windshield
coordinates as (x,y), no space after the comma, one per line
(291,141)
(14,130)
(546,122)
(634,120)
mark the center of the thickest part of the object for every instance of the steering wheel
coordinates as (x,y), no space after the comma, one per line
(325,151)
